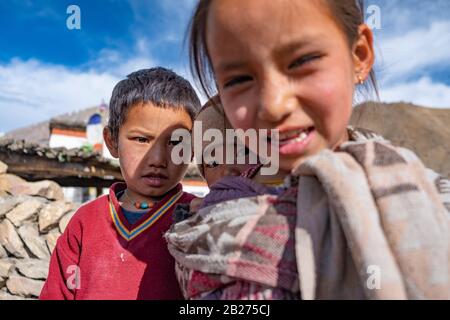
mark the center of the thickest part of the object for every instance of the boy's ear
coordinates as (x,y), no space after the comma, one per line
(363,53)
(110,143)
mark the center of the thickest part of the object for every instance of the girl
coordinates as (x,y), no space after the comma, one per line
(359,218)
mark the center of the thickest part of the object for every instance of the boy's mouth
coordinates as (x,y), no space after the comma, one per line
(155,179)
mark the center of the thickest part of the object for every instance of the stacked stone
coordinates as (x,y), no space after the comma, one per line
(32,217)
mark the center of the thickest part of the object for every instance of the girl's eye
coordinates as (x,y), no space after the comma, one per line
(141,139)
(237,80)
(212,164)
(304,60)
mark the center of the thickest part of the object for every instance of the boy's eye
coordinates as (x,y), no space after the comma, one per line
(174,142)
(212,164)
(304,60)
(236,81)
(141,139)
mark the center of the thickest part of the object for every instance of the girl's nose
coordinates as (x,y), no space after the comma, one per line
(276,99)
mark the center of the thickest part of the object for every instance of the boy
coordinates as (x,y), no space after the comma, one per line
(113,248)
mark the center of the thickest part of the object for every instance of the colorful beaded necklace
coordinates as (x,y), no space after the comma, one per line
(139,205)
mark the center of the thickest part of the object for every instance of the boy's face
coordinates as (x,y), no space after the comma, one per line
(144,149)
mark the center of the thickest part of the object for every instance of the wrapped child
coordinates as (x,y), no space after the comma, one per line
(359,218)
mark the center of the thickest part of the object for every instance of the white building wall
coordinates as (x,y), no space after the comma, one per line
(58,140)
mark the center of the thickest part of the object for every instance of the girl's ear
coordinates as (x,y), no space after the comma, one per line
(110,143)
(363,53)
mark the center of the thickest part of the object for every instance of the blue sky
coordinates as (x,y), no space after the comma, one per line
(47,69)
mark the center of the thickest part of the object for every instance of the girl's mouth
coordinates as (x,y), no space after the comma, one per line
(294,142)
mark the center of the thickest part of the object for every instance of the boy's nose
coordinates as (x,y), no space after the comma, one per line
(157,157)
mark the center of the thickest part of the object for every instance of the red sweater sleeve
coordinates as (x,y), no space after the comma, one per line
(64,276)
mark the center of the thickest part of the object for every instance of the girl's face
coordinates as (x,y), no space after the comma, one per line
(285,65)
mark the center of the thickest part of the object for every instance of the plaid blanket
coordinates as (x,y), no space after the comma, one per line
(377,207)
(368,221)
(249,239)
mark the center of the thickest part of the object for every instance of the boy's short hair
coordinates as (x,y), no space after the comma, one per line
(159,86)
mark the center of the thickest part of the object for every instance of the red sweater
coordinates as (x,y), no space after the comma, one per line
(101,256)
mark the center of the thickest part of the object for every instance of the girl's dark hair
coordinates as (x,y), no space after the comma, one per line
(349,15)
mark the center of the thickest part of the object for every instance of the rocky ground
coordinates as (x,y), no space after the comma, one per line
(32,217)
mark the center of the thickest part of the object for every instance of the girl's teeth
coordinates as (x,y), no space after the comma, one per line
(284,136)
(302,137)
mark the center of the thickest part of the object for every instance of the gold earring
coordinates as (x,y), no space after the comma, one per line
(360,79)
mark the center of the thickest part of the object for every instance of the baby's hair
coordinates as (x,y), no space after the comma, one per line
(159,86)
(215,104)
(349,15)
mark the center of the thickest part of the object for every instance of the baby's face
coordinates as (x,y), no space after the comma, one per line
(145,146)
(283,65)
(214,170)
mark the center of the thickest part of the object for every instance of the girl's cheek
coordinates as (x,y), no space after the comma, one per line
(325,85)
(241,117)
(327,95)
(240,110)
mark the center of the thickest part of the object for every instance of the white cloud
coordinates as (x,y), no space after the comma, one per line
(115,63)
(31,91)
(397,16)
(412,46)
(408,54)
(424,92)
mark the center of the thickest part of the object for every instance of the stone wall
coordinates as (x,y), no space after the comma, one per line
(32,217)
